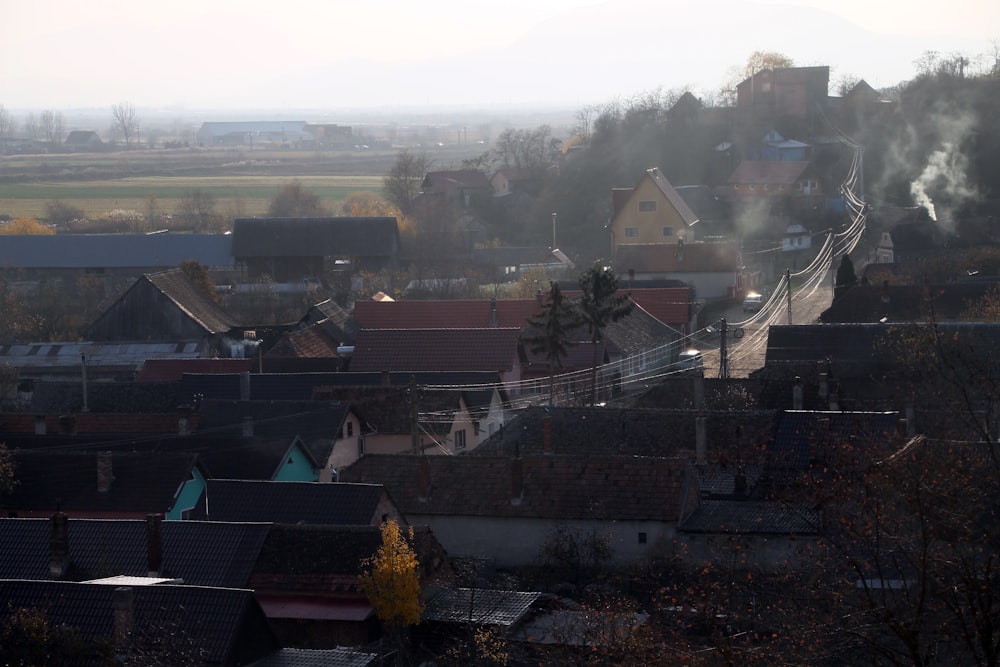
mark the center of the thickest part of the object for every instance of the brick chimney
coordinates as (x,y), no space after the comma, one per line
(123,609)
(105,473)
(797,393)
(58,545)
(516,481)
(154,544)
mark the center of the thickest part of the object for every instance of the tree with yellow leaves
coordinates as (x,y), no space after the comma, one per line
(392,583)
(26,226)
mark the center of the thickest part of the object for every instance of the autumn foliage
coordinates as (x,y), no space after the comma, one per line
(391,579)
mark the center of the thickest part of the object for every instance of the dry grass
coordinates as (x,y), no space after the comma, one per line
(241,195)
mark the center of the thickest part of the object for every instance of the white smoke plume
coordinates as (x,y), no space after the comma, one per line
(943,184)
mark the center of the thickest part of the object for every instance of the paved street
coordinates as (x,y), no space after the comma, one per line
(746,354)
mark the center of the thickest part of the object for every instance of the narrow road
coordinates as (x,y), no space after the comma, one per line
(747,349)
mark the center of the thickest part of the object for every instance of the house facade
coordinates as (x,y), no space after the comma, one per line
(712,270)
(794,92)
(630,504)
(650,213)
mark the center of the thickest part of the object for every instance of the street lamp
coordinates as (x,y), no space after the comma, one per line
(554,246)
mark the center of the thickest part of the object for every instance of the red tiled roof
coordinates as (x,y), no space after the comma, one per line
(169,370)
(769,172)
(435,350)
(669,305)
(443,314)
(312,342)
(692,258)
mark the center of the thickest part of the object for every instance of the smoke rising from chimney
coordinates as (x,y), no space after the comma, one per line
(942,186)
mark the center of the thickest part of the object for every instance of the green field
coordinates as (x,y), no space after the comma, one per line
(245,195)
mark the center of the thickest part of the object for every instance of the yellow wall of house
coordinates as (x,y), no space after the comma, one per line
(648,225)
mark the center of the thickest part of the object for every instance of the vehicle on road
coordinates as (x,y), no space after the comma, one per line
(689,359)
(753,302)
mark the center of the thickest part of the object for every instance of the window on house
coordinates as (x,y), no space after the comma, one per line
(668,231)
(647,206)
(631,232)
(642,538)
(460,439)
(350,429)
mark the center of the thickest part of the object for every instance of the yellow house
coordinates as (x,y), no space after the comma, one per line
(650,213)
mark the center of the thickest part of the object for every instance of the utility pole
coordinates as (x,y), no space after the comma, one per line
(412,396)
(723,352)
(788,292)
(554,246)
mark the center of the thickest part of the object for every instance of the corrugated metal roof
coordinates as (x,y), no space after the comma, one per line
(478,605)
(56,355)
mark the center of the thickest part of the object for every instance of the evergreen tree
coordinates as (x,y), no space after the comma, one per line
(550,332)
(846,279)
(600,305)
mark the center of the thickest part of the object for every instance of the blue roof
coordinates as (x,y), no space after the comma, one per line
(107,251)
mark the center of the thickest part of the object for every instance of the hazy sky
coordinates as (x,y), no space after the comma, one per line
(209,54)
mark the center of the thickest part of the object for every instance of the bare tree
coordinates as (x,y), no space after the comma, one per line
(51,125)
(31,127)
(6,127)
(125,120)
(402,182)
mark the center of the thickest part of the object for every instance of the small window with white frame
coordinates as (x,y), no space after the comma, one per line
(631,232)
(460,439)
(647,206)
(668,231)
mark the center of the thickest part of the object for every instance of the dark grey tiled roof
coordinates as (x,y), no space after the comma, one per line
(806,438)
(224,626)
(117,397)
(551,487)
(143,483)
(293,502)
(304,549)
(271,418)
(202,554)
(479,606)
(606,431)
(755,517)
